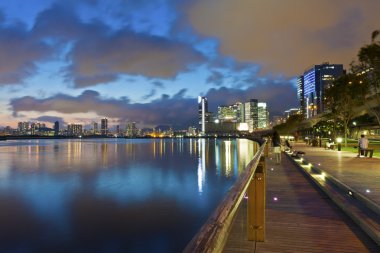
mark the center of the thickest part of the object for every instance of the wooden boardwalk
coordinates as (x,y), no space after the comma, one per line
(299,218)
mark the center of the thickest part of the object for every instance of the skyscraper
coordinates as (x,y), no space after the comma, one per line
(131,130)
(104,126)
(251,114)
(301,94)
(96,129)
(315,82)
(202,113)
(56,128)
(262,115)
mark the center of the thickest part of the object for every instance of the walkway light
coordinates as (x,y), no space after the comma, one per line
(339,140)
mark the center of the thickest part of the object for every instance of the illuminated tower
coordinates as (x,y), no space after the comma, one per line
(104,126)
(301,95)
(251,114)
(202,113)
(262,115)
(316,80)
(56,128)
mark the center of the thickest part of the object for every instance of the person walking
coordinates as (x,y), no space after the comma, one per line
(276,144)
(362,145)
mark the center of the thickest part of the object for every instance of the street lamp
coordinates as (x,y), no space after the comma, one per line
(339,140)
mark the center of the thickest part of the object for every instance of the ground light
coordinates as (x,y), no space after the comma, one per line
(339,140)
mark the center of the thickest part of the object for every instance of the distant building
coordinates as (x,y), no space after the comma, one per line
(301,95)
(74,129)
(56,128)
(251,114)
(203,114)
(104,126)
(192,131)
(262,115)
(315,82)
(131,130)
(95,128)
(23,128)
(291,112)
(231,113)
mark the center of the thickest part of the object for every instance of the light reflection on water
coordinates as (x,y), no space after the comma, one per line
(112,195)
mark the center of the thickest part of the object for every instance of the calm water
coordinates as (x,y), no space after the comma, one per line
(112,195)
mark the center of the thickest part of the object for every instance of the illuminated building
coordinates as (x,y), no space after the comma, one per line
(104,126)
(301,94)
(96,129)
(56,128)
(251,114)
(203,114)
(74,129)
(315,81)
(131,130)
(23,127)
(262,115)
(292,111)
(231,113)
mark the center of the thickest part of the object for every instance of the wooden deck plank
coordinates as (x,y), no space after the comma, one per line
(299,219)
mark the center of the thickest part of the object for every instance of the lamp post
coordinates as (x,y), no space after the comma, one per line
(339,140)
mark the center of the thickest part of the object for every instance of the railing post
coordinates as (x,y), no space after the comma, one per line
(256,204)
(266,150)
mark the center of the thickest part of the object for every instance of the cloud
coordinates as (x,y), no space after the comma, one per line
(130,53)
(158,84)
(216,78)
(50,119)
(100,54)
(151,94)
(19,53)
(176,110)
(286,36)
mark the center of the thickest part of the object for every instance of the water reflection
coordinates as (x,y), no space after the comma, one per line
(113,194)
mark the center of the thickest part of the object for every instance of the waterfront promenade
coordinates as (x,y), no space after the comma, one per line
(299,217)
(361,174)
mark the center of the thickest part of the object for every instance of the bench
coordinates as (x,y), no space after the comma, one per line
(330,145)
(366,151)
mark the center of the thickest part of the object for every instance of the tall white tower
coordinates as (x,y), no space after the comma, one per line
(202,111)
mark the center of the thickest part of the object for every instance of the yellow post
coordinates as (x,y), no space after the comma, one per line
(266,150)
(256,205)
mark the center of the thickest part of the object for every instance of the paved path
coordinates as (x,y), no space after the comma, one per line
(361,174)
(299,219)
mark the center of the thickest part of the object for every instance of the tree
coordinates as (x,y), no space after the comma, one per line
(367,73)
(341,99)
(290,126)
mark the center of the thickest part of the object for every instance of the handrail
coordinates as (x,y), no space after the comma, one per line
(214,233)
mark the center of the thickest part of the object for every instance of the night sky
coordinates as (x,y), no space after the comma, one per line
(77,61)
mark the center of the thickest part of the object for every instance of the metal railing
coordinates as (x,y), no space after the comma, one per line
(214,233)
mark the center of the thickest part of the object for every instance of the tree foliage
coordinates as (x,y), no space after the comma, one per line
(342,98)
(367,72)
(290,126)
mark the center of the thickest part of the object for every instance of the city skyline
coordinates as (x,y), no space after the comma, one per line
(147,62)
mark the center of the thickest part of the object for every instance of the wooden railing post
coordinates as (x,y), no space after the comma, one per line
(256,205)
(266,150)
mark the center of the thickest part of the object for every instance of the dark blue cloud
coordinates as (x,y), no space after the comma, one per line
(19,54)
(100,54)
(50,119)
(216,78)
